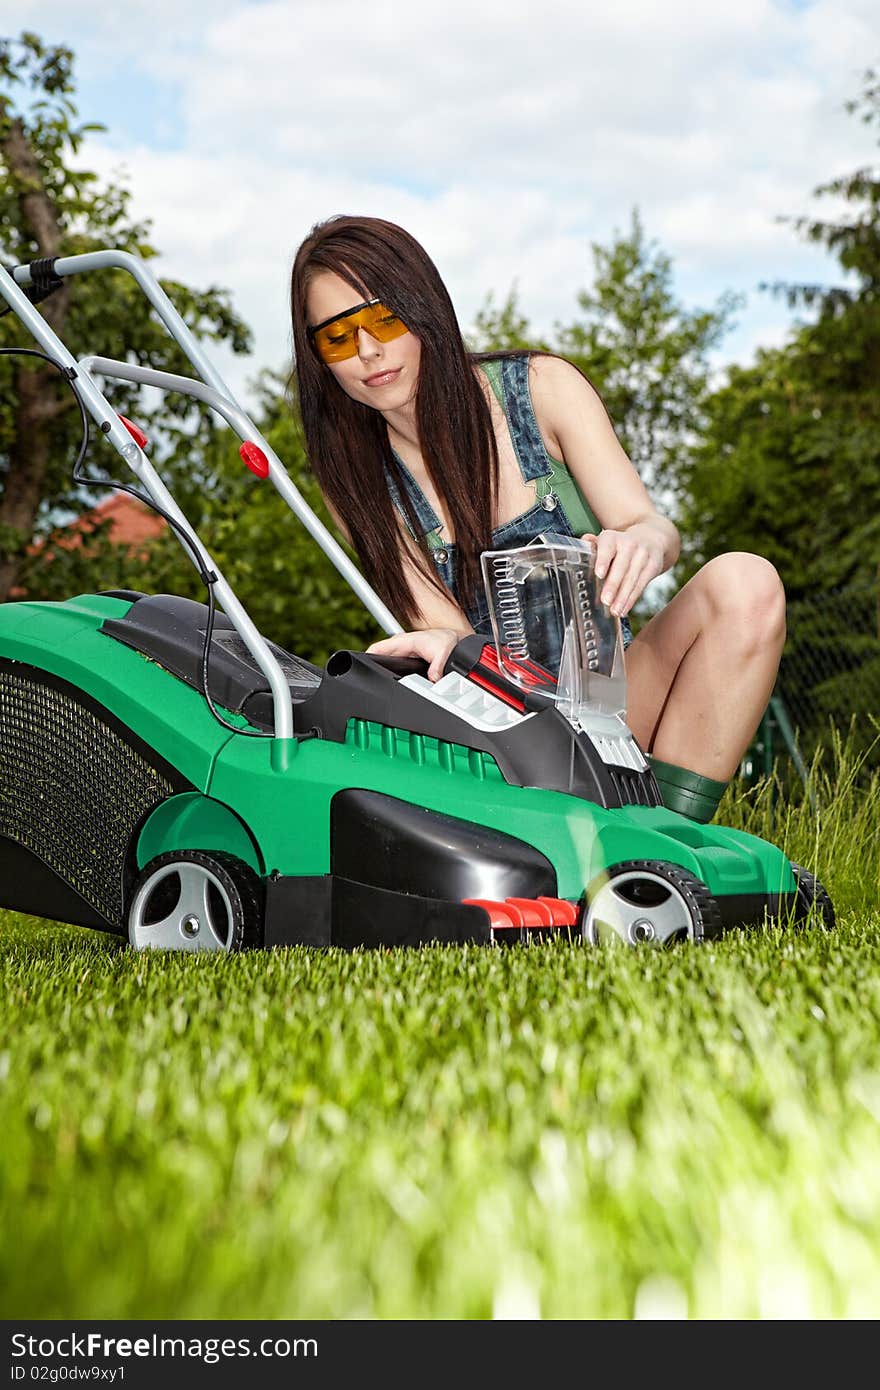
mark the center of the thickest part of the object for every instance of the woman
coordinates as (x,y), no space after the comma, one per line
(428,455)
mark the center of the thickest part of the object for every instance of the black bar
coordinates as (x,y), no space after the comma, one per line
(133,1354)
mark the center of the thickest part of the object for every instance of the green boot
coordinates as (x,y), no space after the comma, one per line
(687,792)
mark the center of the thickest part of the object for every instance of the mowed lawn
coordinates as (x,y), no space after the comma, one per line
(556,1131)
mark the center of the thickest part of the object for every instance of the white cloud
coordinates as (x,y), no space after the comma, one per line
(505,136)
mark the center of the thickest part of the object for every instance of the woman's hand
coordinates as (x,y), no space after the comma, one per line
(432,644)
(628,560)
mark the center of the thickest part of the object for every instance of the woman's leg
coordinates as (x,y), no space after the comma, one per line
(701,671)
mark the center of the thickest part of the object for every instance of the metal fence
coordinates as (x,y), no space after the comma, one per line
(829,677)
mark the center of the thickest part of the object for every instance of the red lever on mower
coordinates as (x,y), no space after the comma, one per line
(526,912)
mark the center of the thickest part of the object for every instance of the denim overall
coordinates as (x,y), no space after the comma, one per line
(559,505)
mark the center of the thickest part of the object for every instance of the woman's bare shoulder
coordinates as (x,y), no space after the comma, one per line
(550,376)
(564,401)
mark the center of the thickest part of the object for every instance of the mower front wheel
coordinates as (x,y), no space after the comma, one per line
(649,902)
(193,900)
(812,897)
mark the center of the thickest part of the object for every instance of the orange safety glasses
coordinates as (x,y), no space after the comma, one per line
(336,339)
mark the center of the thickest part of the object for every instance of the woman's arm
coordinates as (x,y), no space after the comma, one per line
(441,623)
(636,543)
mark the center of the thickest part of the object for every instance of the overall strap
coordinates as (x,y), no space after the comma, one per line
(509,380)
(549,475)
(428,519)
(532,457)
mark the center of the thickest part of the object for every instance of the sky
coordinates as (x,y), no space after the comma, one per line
(507,137)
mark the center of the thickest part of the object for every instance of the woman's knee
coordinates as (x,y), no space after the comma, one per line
(745,593)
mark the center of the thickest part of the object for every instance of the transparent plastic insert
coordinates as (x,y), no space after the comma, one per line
(544,608)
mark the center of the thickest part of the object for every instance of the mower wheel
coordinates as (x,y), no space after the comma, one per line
(811,896)
(650,902)
(195,900)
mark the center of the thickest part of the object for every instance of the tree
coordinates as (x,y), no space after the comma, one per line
(645,353)
(503,327)
(790,466)
(790,460)
(49,207)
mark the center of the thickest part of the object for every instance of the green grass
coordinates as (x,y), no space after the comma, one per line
(457,1133)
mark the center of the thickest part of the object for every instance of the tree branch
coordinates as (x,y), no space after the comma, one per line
(38,212)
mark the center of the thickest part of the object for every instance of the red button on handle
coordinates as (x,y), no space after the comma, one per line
(254,458)
(136,433)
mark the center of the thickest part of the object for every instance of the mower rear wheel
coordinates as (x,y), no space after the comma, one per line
(195,900)
(649,902)
(811,896)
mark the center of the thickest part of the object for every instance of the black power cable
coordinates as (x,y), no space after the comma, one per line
(208,577)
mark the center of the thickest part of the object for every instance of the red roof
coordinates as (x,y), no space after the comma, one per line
(132,524)
(130,520)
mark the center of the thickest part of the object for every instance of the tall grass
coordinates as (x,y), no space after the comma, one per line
(556,1131)
(831,825)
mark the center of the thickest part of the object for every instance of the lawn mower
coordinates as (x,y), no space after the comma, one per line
(169,774)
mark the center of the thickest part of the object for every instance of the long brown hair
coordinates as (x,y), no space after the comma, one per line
(347,441)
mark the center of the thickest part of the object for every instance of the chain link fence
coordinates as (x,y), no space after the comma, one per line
(829,676)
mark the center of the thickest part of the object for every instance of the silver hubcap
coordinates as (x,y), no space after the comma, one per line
(637,907)
(192,914)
